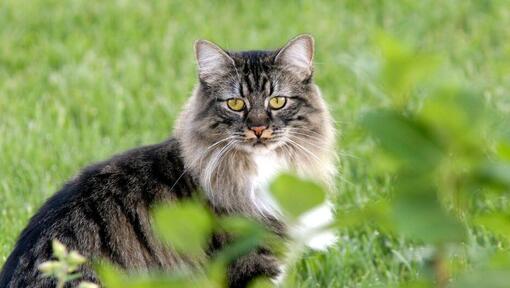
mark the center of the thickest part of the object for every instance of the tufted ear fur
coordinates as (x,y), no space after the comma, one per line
(297,56)
(212,61)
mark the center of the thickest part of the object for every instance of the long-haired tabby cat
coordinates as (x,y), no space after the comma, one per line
(252,114)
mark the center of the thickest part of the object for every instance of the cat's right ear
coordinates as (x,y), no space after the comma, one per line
(297,56)
(212,61)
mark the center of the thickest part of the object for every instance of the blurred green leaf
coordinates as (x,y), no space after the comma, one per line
(378,214)
(112,277)
(296,196)
(246,233)
(495,174)
(459,117)
(71,277)
(384,163)
(403,68)
(261,283)
(500,260)
(483,278)
(503,150)
(216,274)
(418,284)
(405,139)
(186,226)
(85,284)
(498,223)
(420,216)
(59,250)
(49,268)
(491,272)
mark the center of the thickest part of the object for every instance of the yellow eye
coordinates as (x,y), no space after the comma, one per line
(235,104)
(277,102)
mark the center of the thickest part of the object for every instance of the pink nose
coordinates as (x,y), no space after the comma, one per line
(258,130)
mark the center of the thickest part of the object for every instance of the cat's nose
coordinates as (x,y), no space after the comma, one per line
(258,130)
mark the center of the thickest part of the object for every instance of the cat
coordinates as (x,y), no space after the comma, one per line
(252,115)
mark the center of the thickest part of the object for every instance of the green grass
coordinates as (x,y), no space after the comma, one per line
(82,80)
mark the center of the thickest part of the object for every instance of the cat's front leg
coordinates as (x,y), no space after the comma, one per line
(259,263)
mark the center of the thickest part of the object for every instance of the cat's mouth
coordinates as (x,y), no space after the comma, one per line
(262,145)
(264,141)
(259,143)
(268,140)
(258,140)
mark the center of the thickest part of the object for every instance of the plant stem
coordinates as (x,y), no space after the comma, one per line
(440,268)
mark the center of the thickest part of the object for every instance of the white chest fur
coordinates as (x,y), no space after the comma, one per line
(308,227)
(268,166)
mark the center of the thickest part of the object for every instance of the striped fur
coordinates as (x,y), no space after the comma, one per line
(104,211)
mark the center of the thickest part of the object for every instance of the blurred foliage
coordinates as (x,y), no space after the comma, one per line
(296,196)
(439,148)
(188,239)
(64,267)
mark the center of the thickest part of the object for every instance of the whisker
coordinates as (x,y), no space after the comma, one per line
(186,169)
(310,142)
(222,140)
(304,149)
(287,149)
(341,153)
(301,133)
(302,130)
(211,168)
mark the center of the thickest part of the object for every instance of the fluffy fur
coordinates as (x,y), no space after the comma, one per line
(231,156)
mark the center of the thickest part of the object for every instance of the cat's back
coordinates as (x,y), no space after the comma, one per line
(104,212)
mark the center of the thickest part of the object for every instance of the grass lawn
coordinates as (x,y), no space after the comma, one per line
(82,80)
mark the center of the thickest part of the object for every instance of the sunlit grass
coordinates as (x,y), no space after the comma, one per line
(82,80)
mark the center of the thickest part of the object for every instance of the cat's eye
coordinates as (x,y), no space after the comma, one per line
(277,102)
(235,104)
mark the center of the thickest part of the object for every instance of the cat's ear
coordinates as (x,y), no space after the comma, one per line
(297,56)
(212,61)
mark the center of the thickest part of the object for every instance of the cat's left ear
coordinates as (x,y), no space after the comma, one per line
(212,61)
(297,56)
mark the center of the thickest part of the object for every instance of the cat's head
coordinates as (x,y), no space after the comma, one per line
(257,101)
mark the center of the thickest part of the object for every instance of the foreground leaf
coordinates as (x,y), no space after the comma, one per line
(186,226)
(420,217)
(296,196)
(498,223)
(406,140)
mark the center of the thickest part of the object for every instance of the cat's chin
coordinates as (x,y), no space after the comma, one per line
(261,148)
(258,148)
